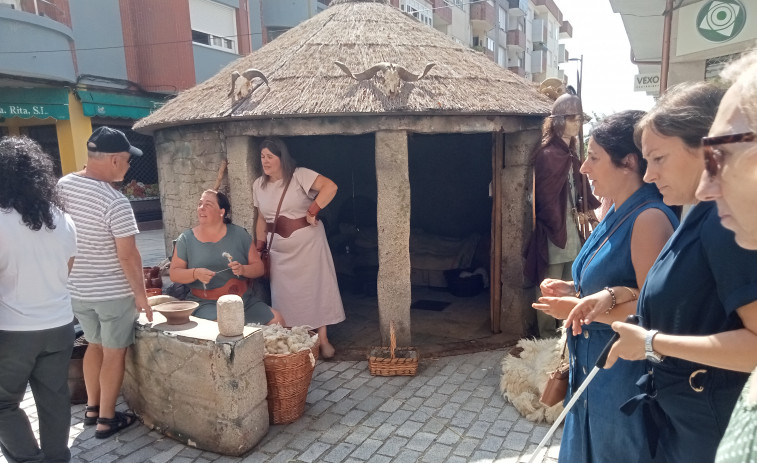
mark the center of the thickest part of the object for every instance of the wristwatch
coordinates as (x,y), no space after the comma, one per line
(652,356)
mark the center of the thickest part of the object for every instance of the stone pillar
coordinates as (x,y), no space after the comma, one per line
(194,386)
(241,174)
(517,314)
(393,211)
(188,162)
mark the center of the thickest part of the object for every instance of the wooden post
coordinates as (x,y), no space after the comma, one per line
(495,269)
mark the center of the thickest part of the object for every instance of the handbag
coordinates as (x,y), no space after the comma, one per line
(557,384)
(265,255)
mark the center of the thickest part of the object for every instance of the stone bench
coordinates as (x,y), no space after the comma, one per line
(195,386)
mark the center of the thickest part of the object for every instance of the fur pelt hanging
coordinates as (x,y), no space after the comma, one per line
(525,375)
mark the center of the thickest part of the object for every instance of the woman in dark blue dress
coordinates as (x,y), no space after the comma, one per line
(608,271)
(701,294)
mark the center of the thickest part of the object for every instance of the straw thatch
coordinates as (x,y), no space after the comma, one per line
(304,81)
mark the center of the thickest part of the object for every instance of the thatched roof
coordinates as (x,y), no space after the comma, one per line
(305,82)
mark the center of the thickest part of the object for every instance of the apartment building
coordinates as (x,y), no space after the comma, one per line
(67,67)
(521,35)
(704,36)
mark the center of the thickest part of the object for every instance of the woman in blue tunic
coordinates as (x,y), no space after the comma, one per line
(701,294)
(608,271)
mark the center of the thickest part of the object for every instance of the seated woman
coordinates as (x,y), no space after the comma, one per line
(608,271)
(216,258)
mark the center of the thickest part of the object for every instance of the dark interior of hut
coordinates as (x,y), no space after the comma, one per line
(450,225)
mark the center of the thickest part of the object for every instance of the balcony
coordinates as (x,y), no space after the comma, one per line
(516,39)
(442,13)
(57,10)
(562,54)
(539,31)
(517,7)
(539,62)
(518,70)
(482,16)
(548,6)
(566,30)
(44,43)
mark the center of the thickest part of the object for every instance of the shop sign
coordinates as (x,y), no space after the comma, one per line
(649,83)
(40,103)
(714,23)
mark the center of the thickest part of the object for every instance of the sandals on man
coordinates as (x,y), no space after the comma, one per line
(121,421)
(90,420)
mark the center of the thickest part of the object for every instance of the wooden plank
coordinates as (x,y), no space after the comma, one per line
(495,271)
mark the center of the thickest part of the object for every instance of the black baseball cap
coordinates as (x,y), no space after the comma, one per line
(107,140)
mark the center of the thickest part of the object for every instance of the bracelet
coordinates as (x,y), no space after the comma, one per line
(634,295)
(314,209)
(614,300)
(193,274)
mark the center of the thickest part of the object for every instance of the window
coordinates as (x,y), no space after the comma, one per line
(275,32)
(213,24)
(457,3)
(418,10)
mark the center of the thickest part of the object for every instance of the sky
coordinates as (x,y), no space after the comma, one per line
(599,35)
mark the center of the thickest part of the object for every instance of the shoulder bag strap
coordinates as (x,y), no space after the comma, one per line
(617,225)
(533,199)
(278,209)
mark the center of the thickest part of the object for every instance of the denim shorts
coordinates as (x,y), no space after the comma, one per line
(109,323)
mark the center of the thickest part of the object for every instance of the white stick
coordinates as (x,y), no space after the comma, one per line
(565,411)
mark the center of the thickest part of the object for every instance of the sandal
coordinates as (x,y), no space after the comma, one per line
(120,421)
(90,420)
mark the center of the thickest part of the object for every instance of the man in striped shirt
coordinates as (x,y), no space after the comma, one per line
(106,282)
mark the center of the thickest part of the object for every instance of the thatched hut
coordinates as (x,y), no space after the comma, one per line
(454,144)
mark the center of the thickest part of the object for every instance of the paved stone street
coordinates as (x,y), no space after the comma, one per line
(452,411)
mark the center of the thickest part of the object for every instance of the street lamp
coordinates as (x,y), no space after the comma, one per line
(579,73)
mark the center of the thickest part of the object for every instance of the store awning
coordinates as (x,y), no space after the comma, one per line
(104,104)
(34,102)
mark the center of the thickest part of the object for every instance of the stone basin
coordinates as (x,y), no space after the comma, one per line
(193,385)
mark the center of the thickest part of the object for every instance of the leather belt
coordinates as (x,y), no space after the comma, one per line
(286,226)
(236,286)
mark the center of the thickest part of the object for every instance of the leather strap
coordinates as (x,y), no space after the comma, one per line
(276,217)
(236,286)
(285,226)
(617,225)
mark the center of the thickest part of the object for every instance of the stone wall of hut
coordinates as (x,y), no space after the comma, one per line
(188,161)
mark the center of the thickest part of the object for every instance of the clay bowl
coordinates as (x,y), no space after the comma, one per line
(153,292)
(176,312)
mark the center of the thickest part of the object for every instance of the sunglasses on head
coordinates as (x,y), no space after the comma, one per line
(713,157)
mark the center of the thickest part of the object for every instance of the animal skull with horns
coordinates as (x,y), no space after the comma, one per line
(393,74)
(241,84)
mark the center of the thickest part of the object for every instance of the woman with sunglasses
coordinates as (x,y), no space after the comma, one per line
(701,294)
(731,181)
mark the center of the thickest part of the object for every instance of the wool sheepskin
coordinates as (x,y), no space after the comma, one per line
(525,376)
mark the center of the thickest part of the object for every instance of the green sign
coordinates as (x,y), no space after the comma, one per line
(721,20)
(34,102)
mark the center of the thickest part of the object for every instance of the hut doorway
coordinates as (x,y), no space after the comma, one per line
(450,177)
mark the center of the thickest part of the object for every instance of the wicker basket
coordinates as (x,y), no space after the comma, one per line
(393,360)
(288,377)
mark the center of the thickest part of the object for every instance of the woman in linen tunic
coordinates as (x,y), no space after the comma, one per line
(303,280)
(617,256)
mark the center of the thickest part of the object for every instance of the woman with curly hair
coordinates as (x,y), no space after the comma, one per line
(37,248)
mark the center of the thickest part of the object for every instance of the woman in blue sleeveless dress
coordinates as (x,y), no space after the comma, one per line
(608,271)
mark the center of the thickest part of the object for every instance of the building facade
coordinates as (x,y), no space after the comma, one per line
(704,36)
(520,35)
(67,67)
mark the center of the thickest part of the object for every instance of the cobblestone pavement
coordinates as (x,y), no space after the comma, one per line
(452,411)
